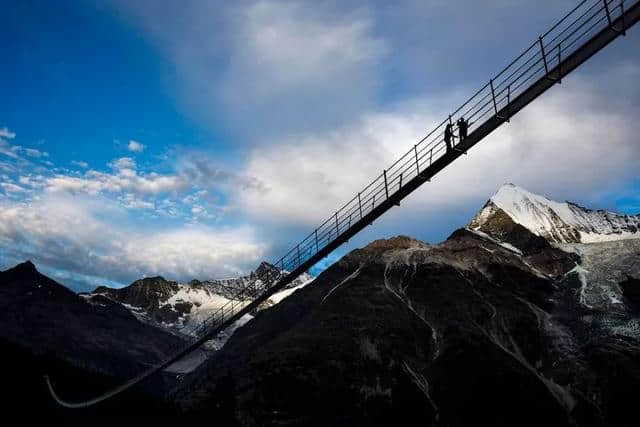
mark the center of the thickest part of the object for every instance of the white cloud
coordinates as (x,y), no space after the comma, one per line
(123,163)
(80,163)
(95,182)
(302,59)
(90,236)
(14,150)
(32,152)
(307,178)
(130,200)
(33,181)
(74,185)
(124,178)
(197,251)
(201,170)
(9,150)
(295,47)
(237,60)
(135,146)
(10,187)
(6,133)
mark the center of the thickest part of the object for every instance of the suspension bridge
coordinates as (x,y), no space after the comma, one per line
(586,29)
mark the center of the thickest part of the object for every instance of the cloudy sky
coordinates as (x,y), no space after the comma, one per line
(193,139)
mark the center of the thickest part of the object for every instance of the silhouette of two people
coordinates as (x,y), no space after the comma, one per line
(449,137)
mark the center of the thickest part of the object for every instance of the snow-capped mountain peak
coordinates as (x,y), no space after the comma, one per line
(557,222)
(181,307)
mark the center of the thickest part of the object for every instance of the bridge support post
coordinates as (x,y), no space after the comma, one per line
(544,59)
(495,105)
(508,103)
(386,188)
(623,30)
(606,9)
(560,63)
(493,97)
(415,150)
(360,205)
(608,12)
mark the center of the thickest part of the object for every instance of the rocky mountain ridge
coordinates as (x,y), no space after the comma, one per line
(180,307)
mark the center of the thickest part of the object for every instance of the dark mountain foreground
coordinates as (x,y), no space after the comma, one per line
(86,348)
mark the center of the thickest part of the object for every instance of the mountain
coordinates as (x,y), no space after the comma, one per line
(46,329)
(40,313)
(181,307)
(557,222)
(497,325)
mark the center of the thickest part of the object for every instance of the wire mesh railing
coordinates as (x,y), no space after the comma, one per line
(585,20)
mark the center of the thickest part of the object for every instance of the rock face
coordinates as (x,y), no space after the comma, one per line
(180,307)
(148,298)
(143,293)
(494,326)
(631,290)
(556,222)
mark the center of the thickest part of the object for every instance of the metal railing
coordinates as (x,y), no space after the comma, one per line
(585,20)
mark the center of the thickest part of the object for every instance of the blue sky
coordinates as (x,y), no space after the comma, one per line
(195,139)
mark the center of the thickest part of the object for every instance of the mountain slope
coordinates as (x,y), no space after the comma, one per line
(397,329)
(556,222)
(39,313)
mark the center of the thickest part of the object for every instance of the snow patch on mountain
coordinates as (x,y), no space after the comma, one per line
(505,245)
(279,296)
(181,308)
(582,277)
(557,222)
(196,296)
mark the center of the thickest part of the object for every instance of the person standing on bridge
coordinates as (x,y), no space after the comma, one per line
(448,136)
(463,127)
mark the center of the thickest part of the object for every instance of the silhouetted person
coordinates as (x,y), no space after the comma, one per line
(448,136)
(463,127)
